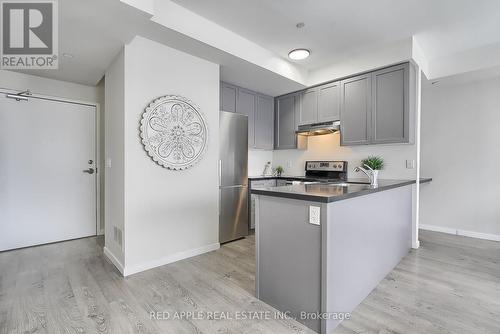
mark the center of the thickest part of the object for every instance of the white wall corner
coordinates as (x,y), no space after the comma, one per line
(114,260)
(136,268)
(416,188)
(418,56)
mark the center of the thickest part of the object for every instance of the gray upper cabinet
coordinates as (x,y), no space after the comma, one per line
(228,97)
(246,105)
(308,113)
(375,107)
(259,109)
(285,125)
(390,114)
(329,102)
(264,123)
(320,104)
(355,111)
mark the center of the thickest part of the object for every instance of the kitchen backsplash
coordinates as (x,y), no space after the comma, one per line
(256,161)
(327,147)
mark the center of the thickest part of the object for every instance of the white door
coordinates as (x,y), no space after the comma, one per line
(45,195)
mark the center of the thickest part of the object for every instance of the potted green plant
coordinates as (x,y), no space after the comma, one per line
(374,164)
(279,170)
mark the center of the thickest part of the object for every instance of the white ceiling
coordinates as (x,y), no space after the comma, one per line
(336,28)
(95,37)
(94,31)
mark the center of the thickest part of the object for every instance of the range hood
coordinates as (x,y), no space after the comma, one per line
(318,129)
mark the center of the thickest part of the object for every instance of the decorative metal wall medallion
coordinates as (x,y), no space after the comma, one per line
(174,132)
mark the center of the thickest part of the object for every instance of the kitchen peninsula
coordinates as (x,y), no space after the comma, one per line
(323,247)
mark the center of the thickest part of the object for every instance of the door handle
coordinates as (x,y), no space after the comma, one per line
(89,171)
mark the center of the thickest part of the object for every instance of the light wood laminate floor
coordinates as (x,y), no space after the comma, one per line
(450,285)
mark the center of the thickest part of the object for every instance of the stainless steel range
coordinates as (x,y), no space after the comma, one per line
(326,171)
(321,172)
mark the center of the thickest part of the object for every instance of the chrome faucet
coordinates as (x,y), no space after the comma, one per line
(369,172)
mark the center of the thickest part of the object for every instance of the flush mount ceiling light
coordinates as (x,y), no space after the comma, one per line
(299,54)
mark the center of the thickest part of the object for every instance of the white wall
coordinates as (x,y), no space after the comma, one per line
(460,150)
(257,159)
(327,147)
(169,215)
(115,153)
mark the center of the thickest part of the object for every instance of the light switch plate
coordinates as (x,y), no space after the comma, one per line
(108,163)
(314,215)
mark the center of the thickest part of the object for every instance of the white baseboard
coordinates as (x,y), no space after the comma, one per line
(133,269)
(464,233)
(111,257)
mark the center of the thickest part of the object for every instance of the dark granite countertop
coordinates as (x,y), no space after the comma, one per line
(332,192)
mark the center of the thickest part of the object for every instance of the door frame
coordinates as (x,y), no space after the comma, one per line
(97,158)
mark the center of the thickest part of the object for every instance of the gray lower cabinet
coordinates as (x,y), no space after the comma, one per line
(329,102)
(390,108)
(246,105)
(260,111)
(264,123)
(355,110)
(258,184)
(228,97)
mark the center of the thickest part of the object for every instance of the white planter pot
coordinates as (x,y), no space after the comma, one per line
(374,177)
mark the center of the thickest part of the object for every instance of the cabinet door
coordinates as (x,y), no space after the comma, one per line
(329,102)
(390,114)
(246,106)
(309,106)
(264,123)
(285,137)
(228,95)
(355,110)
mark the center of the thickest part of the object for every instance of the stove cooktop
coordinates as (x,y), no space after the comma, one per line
(326,171)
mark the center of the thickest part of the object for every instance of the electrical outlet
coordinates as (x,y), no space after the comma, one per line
(289,164)
(314,215)
(410,164)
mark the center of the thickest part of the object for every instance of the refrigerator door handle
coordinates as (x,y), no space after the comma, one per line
(220,172)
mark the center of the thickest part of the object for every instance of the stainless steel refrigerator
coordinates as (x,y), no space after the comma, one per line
(233,176)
